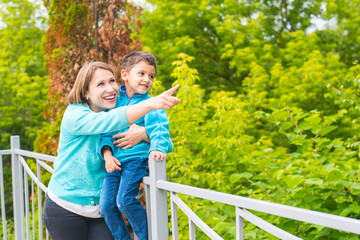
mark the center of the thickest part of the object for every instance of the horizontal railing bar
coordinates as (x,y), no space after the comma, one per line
(146,180)
(45,166)
(5,152)
(194,218)
(31,174)
(35,155)
(304,215)
(268,227)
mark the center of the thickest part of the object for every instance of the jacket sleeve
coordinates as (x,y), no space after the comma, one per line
(157,127)
(106,140)
(80,120)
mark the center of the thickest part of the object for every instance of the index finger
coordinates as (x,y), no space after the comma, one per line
(172,90)
(119,135)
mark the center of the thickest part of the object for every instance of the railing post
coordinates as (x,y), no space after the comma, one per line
(17,189)
(239,225)
(158,201)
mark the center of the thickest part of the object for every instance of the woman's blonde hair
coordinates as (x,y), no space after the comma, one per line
(81,85)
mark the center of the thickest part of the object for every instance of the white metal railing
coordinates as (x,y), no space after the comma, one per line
(22,176)
(158,213)
(156,189)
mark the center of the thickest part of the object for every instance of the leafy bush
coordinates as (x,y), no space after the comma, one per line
(286,155)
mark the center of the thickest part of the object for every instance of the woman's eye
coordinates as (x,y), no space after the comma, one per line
(100,84)
(112,80)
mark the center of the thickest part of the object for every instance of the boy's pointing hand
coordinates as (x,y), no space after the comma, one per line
(165,100)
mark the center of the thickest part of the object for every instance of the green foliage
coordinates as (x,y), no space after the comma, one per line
(238,144)
(23,76)
(226,37)
(269,108)
(9,229)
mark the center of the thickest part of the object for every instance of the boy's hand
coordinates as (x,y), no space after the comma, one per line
(157,155)
(165,100)
(111,163)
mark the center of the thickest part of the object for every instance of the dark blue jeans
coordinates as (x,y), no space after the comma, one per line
(65,225)
(118,196)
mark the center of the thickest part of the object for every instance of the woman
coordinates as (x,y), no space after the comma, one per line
(71,207)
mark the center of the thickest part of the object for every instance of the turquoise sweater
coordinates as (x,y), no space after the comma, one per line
(78,168)
(155,123)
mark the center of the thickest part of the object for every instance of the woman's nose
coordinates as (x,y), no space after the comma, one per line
(109,88)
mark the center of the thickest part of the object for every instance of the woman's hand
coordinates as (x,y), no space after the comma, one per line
(133,136)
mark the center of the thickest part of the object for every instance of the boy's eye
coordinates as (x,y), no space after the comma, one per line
(141,73)
(112,80)
(152,76)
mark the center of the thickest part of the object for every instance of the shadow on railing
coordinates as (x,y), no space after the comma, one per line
(28,222)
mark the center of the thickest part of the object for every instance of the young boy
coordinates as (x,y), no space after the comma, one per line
(121,183)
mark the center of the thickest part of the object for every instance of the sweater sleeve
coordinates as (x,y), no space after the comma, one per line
(157,127)
(80,120)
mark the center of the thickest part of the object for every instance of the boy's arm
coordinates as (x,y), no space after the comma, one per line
(80,120)
(157,127)
(107,149)
(106,140)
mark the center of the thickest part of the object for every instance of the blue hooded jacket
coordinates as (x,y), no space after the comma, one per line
(155,123)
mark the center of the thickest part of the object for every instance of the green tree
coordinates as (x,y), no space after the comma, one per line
(23,76)
(223,36)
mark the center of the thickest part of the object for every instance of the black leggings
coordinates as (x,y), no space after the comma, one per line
(65,225)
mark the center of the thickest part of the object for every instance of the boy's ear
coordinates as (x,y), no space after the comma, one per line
(124,75)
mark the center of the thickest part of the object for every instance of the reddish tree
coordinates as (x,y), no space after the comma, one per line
(81,31)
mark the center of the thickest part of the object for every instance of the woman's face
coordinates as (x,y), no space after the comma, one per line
(102,91)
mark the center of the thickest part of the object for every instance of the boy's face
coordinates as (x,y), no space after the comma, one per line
(139,79)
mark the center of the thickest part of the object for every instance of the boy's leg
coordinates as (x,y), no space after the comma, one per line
(132,173)
(142,185)
(109,209)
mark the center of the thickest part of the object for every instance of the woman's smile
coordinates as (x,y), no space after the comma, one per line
(110,98)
